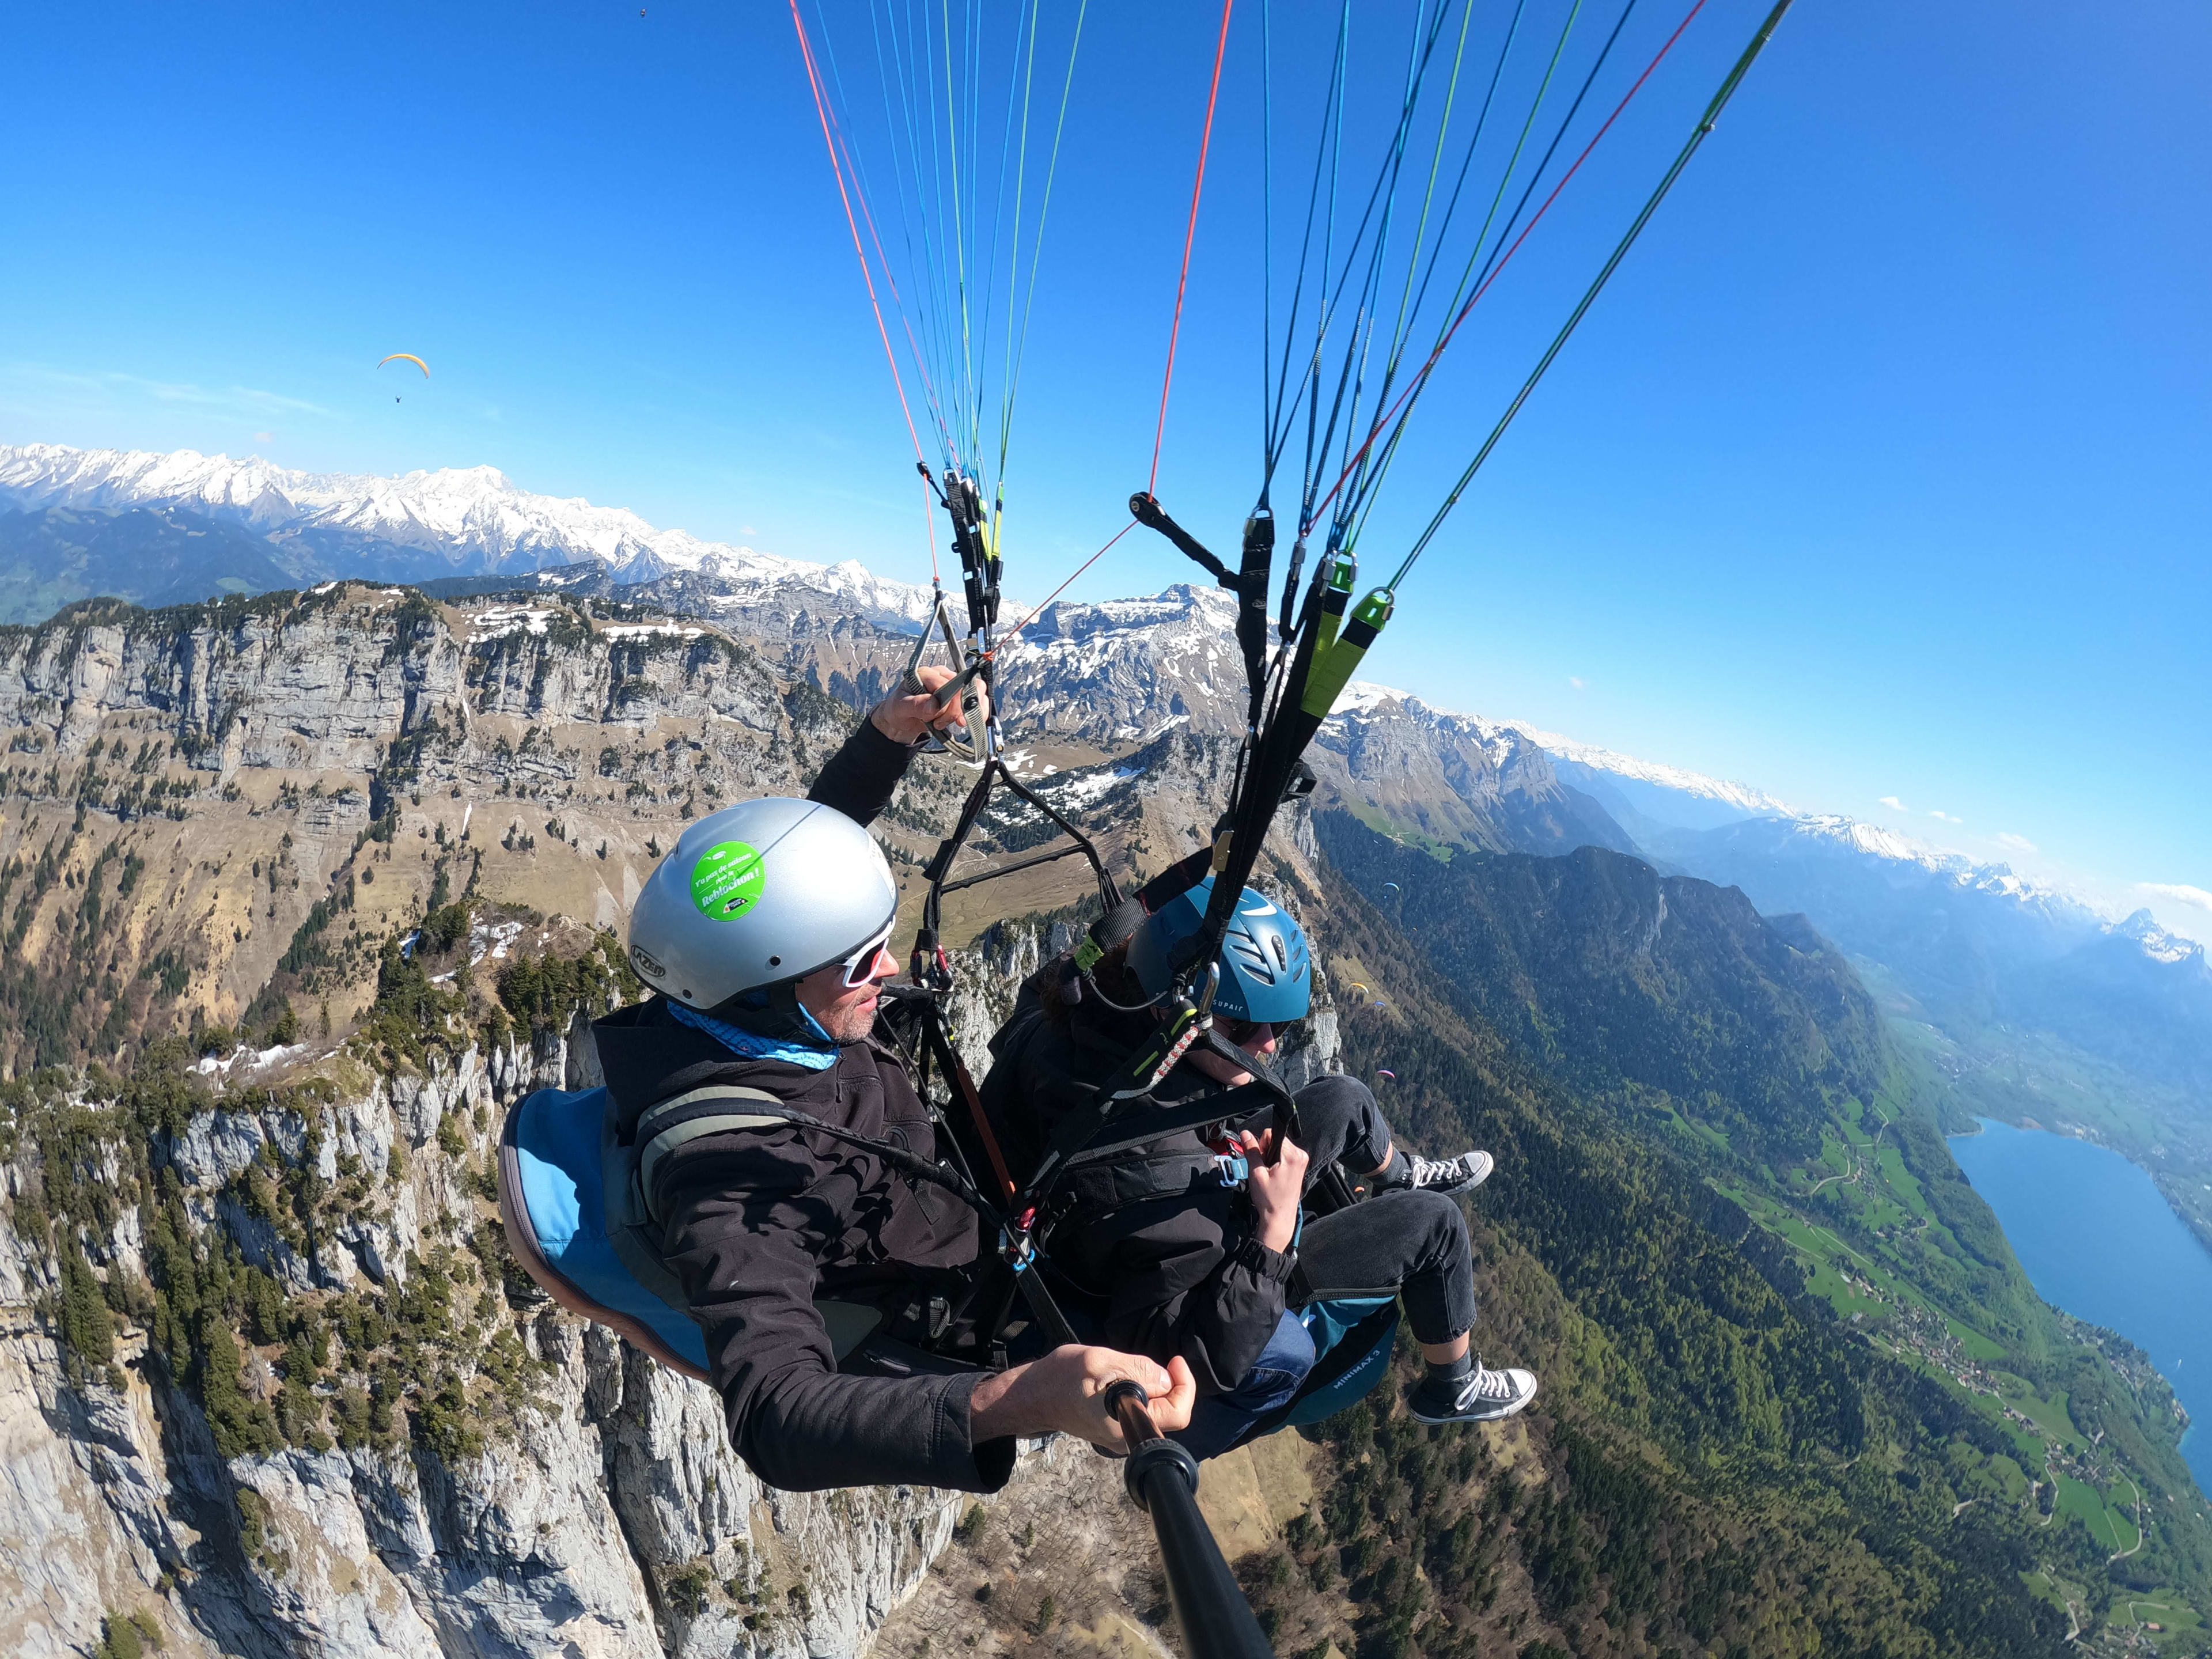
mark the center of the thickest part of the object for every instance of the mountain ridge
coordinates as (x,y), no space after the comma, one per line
(452,521)
(1086,683)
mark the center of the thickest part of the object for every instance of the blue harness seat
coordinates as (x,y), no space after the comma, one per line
(552,1201)
(558,1166)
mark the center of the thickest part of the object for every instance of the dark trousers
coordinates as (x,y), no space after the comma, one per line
(1413,1243)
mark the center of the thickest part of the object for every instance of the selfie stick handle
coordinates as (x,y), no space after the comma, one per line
(1217,1621)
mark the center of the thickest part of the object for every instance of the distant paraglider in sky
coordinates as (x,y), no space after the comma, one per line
(1386,1071)
(1391,887)
(406,357)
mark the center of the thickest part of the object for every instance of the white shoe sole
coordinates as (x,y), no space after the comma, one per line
(1498,1414)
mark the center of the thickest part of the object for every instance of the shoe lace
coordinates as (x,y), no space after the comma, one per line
(1486,1384)
(1428,1171)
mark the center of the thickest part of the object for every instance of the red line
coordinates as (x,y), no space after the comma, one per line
(891,278)
(822,114)
(1189,235)
(1421,377)
(1037,610)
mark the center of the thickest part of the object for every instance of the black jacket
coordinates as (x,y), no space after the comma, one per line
(759,1222)
(1171,1254)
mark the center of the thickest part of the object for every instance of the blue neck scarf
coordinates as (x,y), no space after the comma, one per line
(753,1046)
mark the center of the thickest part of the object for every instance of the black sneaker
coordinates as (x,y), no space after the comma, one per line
(1449,1175)
(1481,1397)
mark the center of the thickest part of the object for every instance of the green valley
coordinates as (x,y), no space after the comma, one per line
(1788,1295)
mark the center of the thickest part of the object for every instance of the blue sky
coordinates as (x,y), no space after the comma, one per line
(1882,471)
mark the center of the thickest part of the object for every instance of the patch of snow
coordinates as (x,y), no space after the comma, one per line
(2156,942)
(1075,790)
(491,939)
(497,622)
(1740,795)
(1364,697)
(645,630)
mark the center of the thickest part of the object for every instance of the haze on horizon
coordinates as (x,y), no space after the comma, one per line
(1876,479)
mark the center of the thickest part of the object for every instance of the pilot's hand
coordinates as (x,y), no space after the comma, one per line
(1278,1179)
(904,717)
(1064,1392)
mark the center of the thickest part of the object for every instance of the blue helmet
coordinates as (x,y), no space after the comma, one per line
(1265,973)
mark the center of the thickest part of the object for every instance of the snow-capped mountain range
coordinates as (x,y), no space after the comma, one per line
(1109,673)
(457,521)
(1657,801)
(2001,966)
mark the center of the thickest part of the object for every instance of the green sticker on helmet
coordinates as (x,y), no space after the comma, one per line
(727,880)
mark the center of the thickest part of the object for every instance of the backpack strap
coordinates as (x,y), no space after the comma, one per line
(717,1109)
(626,1170)
(634,1228)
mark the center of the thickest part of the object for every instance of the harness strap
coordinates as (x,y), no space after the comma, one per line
(1159,1124)
(672,1123)
(669,1124)
(1070,1142)
(956,1069)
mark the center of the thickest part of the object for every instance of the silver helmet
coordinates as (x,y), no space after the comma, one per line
(758,894)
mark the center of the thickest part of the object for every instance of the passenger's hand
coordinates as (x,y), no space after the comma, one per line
(904,717)
(1277,1181)
(1063,1392)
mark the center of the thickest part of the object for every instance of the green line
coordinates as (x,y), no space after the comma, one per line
(1380,463)
(1044,209)
(1590,297)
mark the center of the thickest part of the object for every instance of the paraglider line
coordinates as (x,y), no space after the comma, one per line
(1037,609)
(898,300)
(1420,377)
(867,276)
(1613,262)
(1359,502)
(1189,236)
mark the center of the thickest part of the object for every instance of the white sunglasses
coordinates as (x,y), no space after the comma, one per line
(861,966)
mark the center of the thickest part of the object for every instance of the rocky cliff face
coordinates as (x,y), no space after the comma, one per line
(535,1485)
(268,1382)
(576,1499)
(222,803)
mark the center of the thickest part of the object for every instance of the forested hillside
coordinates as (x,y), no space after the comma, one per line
(1770,1292)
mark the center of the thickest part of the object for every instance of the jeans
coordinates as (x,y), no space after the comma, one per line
(1413,1241)
(1218,1421)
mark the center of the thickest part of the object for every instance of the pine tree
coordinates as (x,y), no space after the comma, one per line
(239,1428)
(87,1327)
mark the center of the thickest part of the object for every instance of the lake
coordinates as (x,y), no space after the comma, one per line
(2099,1241)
